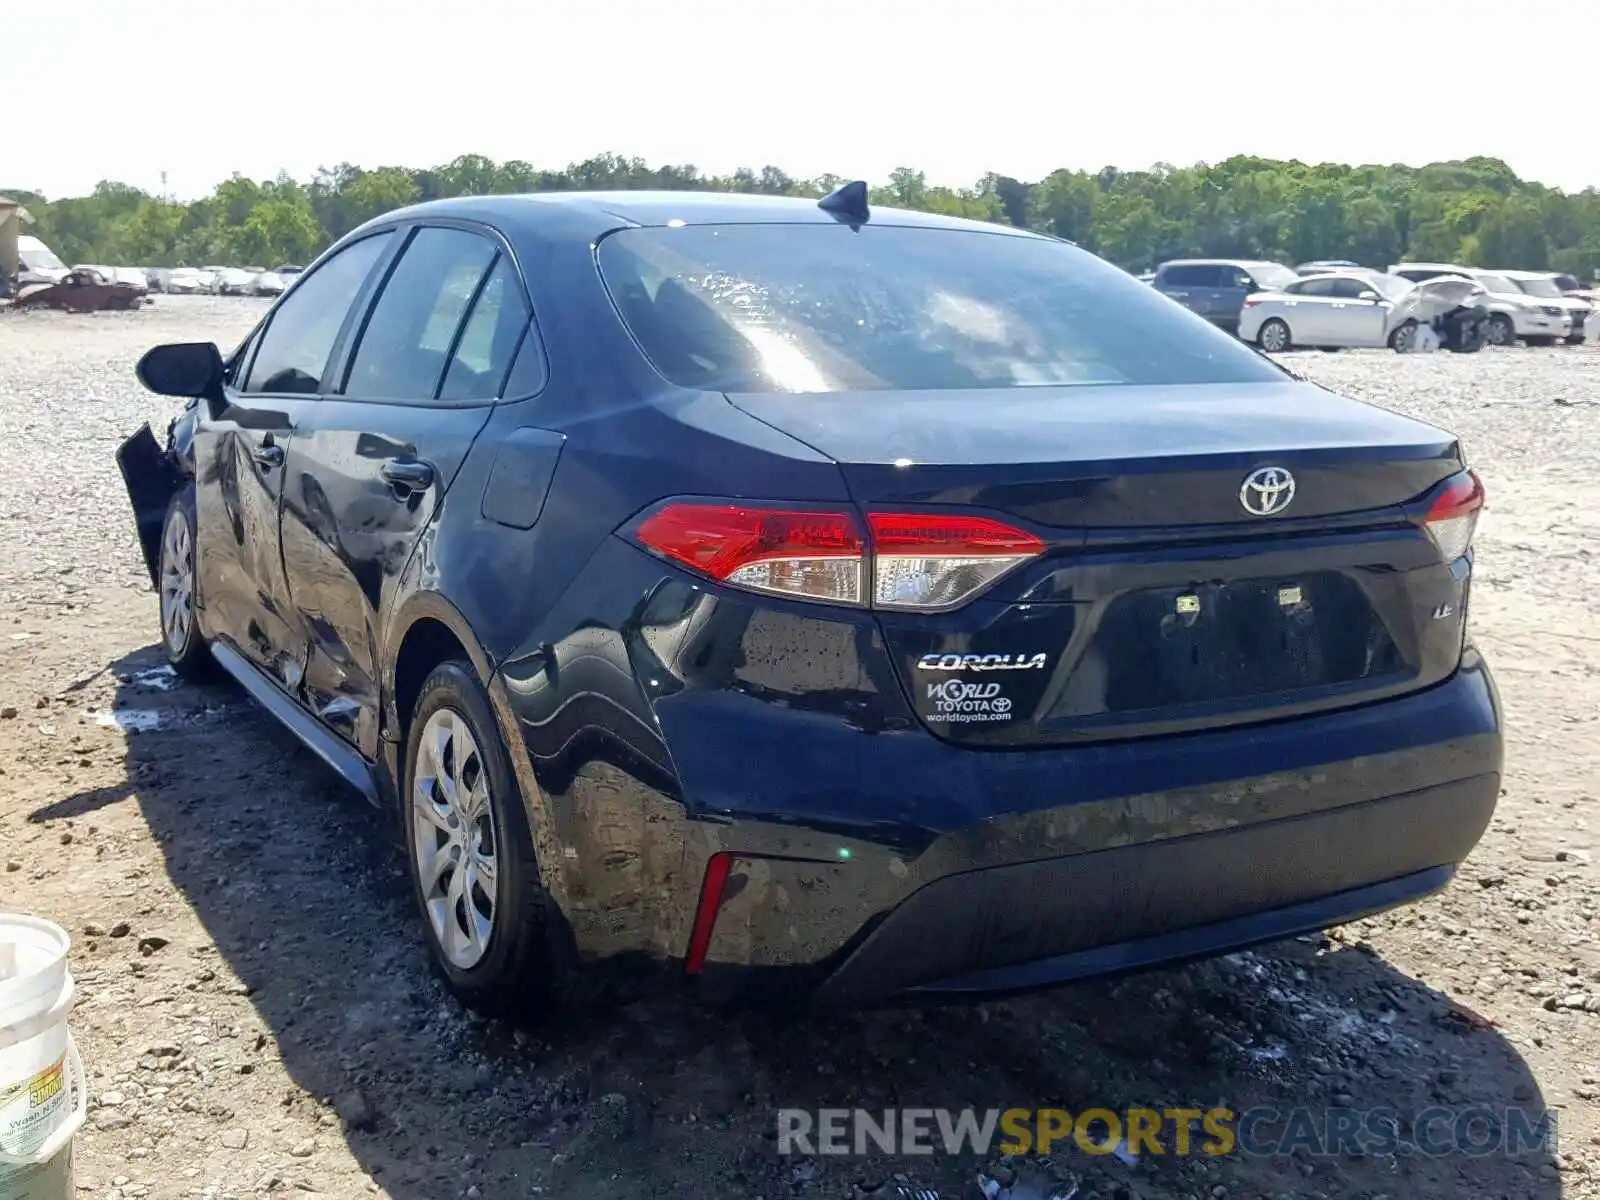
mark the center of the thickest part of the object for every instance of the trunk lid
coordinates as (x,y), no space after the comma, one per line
(1161,603)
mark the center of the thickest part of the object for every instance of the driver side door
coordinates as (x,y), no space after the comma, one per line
(241,445)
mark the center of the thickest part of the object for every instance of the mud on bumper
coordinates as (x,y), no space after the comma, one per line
(1159,878)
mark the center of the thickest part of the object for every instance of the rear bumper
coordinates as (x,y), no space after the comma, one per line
(1350,824)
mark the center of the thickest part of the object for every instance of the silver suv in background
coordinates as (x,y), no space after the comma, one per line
(1545,287)
(1215,288)
(1513,313)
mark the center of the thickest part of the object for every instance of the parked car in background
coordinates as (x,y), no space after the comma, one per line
(1324,265)
(267,283)
(157,277)
(1071,634)
(38,263)
(1215,288)
(1359,308)
(1544,287)
(188,281)
(288,271)
(232,281)
(1513,313)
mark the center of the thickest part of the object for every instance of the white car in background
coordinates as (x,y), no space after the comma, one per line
(1345,309)
(187,281)
(1513,313)
(231,281)
(267,283)
(1545,287)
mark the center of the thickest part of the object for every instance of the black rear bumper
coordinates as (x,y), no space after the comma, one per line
(1041,923)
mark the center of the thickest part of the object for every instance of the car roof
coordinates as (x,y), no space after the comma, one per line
(1219,262)
(1523,274)
(1431,266)
(553,214)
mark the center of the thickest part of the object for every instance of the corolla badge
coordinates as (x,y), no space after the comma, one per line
(1267,491)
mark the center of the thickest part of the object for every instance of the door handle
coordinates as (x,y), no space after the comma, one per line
(407,475)
(268,455)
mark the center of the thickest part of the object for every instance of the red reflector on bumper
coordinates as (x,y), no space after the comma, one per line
(705,913)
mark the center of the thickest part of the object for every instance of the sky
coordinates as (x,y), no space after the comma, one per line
(853,87)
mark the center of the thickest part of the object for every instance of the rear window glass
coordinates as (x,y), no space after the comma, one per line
(822,308)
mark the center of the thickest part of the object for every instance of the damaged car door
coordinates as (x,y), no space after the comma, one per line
(241,448)
(371,462)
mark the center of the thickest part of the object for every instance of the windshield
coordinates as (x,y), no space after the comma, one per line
(36,256)
(1495,283)
(1540,287)
(1271,275)
(823,308)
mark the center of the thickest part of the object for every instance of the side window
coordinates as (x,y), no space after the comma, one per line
(293,352)
(406,343)
(1351,289)
(1317,287)
(1191,275)
(490,339)
(1233,277)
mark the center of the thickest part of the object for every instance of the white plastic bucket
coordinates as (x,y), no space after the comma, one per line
(43,1093)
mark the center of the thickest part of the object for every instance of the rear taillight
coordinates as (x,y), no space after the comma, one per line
(815,555)
(914,561)
(1251,302)
(930,562)
(1453,517)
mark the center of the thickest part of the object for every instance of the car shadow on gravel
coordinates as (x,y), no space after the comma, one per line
(303,891)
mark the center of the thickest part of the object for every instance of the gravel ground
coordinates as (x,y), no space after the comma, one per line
(257,1018)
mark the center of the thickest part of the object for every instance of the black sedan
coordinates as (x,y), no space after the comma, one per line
(781,594)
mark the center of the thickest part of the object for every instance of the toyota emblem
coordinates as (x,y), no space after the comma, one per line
(1267,492)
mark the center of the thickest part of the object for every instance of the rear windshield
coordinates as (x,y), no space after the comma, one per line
(822,308)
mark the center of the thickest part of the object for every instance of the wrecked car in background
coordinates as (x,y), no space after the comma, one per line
(1352,309)
(81,291)
(267,283)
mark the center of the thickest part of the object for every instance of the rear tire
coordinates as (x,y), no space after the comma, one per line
(1500,331)
(1273,336)
(1576,339)
(186,649)
(1541,341)
(493,932)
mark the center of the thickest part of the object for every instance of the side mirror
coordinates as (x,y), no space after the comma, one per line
(1367,296)
(187,369)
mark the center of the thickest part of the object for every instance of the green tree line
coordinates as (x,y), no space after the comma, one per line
(1475,211)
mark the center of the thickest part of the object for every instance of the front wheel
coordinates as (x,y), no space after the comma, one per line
(1541,341)
(1575,339)
(1273,336)
(1501,331)
(185,646)
(493,931)
(1403,338)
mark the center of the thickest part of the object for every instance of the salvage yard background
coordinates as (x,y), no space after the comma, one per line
(256,1014)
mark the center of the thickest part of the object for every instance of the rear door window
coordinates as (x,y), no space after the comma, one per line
(1315,287)
(406,344)
(293,352)
(824,308)
(489,339)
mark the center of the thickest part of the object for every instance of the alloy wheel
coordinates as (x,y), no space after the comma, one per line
(1499,332)
(177,583)
(456,842)
(1275,337)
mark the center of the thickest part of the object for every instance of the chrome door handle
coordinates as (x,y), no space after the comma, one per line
(268,455)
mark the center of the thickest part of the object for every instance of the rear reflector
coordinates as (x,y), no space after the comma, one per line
(914,560)
(1453,518)
(705,914)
